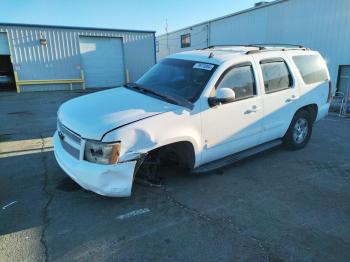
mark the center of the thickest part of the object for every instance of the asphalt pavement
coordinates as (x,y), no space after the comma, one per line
(276,206)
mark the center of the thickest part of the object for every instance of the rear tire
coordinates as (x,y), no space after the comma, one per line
(299,131)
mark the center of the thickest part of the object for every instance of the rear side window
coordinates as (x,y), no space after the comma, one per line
(241,80)
(276,75)
(312,68)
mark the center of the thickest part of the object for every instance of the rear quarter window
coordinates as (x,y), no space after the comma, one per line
(312,68)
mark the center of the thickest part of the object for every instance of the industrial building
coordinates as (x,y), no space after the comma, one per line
(41,57)
(318,24)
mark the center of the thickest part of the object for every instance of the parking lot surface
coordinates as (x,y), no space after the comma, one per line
(276,206)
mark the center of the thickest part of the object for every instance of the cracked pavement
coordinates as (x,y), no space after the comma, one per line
(276,206)
(49,196)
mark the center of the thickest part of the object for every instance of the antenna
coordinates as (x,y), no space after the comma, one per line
(166,25)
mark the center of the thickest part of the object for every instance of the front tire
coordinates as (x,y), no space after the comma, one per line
(299,131)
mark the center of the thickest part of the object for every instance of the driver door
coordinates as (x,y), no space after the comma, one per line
(235,126)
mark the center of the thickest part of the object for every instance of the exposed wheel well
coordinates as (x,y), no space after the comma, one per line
(312,109)
(181,153)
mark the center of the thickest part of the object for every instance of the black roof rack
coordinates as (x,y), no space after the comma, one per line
(263,47)
(276,49)
(213,46)
(279,45)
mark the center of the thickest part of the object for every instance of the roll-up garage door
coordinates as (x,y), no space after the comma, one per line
(4,45)
(102,61)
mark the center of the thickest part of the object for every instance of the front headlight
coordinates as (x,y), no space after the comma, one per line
(101,153)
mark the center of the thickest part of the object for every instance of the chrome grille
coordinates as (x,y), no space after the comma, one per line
(72,144)
(73,136)
(70,149)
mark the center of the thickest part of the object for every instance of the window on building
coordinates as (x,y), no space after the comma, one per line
(241,80)
(276,75)
(185,40)
(312,68)
(343,83)
(157,46)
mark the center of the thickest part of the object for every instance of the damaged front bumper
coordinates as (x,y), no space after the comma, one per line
(107,180)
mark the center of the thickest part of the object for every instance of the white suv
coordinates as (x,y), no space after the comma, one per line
(203,109)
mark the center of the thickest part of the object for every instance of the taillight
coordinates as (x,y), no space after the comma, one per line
(329,98)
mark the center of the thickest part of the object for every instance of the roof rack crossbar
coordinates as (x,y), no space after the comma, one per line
(279,45)
(213,46)
(258,46)
(276,49)
(263,47)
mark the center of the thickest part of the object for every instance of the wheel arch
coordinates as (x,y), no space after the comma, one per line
(184,150)
(312,109)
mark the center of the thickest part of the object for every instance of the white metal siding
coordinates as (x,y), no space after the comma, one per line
(102,61)
(60,57)
(171,43)
(4,45)
(318,24)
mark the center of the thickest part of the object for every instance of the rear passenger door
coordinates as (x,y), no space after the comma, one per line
(280,95)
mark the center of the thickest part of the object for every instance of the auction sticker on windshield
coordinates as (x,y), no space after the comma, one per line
(204,66)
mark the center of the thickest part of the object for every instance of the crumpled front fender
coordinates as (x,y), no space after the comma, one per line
(107,180)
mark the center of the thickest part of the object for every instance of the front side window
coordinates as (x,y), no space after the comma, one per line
(312,68)
(185,40)
(241,80)
(178,77)
(276,75)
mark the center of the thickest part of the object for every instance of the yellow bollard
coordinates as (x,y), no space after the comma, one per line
(82,78)
(127,76)
(16,80)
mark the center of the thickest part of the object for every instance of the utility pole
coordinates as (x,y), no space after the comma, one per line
(167,36)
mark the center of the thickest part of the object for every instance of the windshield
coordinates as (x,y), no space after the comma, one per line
(177,77)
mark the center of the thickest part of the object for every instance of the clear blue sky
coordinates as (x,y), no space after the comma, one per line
(124,14)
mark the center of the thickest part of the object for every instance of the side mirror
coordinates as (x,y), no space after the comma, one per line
(223,96)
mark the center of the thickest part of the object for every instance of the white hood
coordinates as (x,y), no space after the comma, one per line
(91,116)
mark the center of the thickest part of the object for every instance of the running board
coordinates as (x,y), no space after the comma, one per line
(229,160)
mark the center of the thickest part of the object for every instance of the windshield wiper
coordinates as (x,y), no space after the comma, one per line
(134,86)
(145,90)
(169,99)
(177,100)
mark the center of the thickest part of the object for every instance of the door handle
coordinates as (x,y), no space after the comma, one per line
(291,99)
(254,109)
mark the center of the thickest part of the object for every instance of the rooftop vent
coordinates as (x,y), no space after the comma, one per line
(260,3)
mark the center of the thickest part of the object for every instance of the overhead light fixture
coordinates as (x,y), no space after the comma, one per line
(43,40)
